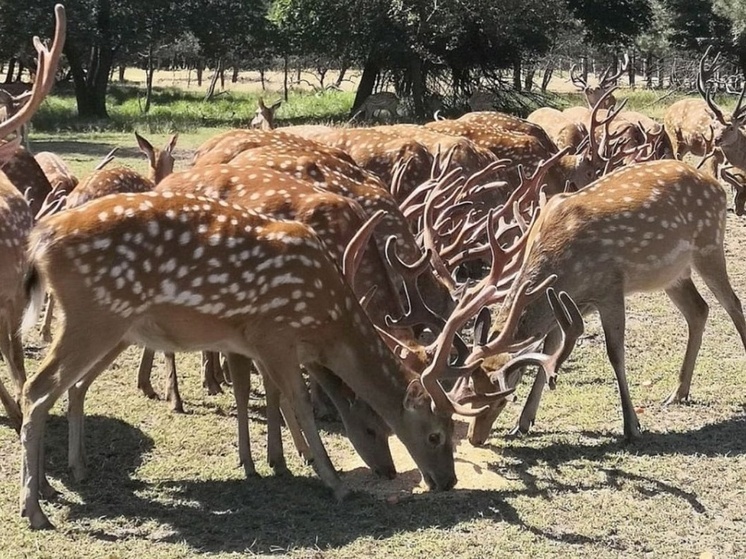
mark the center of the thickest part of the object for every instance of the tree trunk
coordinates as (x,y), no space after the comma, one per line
(149,79)
(585,70)
(528,82)
(342,72)
(367,81)
(214,81)
(234,76)
(548,71)
(122,67)
(517,74)
(285,78)
(649,70)
(262,78)
(418,88)
(11,70)
(631,69)
(222,76)
(200,70)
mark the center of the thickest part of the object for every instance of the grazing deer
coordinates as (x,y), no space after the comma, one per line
(264,118)
(259,280)
(593,94)
(564,132)
(376,104)
(58,173)
(645,227)
(379,153)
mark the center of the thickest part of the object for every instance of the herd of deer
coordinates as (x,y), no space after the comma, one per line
(330,251)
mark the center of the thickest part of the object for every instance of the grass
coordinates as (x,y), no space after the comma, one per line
(167,486)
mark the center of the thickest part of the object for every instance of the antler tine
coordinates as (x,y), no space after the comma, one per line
(571,325)
(451,177)
(428,239)
(397,175)
(476,178)
(605,80)
(355,249)
(418,312)
(577,79)
(108,158)
(46,70)
(705,92)
(503,342)
(53,201)
(467,307)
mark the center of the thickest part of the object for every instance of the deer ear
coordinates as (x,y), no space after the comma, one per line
(145,147)
(275,106)
(171,144)
(416,396)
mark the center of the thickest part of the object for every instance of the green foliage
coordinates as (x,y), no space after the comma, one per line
(612,22)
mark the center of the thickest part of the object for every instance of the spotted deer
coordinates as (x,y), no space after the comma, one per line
(509,123)
(16,220)
(258,280)
(380,152)
(564,132)
(264,118)
(58,173)
(525,150)
(592,94)
(645,227)
(25,173)
(378,104)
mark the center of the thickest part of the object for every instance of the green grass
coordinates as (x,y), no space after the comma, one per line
(175,110)
(167,486)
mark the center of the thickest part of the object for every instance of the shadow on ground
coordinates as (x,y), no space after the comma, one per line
(274,514)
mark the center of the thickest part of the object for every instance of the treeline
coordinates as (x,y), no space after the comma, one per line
(419,47)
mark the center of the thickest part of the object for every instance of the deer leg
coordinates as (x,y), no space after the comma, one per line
(613,322)
(225,368)
(143,374)
(295,431)
(687,299)
(531,407)
(46,329)
(275,452)
(172,384)
(76,458)
(208,374)
(12,409)
(11,348)
(713,271)
(241,367)
(66,363)
(286,373)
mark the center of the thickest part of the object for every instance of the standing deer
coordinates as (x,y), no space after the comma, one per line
(16,220)
(258,280)
(593,94)
(645,227)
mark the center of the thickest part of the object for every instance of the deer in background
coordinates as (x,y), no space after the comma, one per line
(376,104)
(593,94)
(645,227)
(264,118)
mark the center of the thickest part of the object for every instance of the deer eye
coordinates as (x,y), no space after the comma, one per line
(434,439)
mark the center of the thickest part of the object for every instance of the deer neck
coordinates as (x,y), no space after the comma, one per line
(365,364)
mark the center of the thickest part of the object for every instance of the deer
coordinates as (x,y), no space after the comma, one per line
(526,150)
(563,131)
(376,104)
(378,152)
(58,173)
(264,118)
(286,288)
(509,123)
(644,227)
(25,173)
(605,83)
(17,216)
(699,127)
